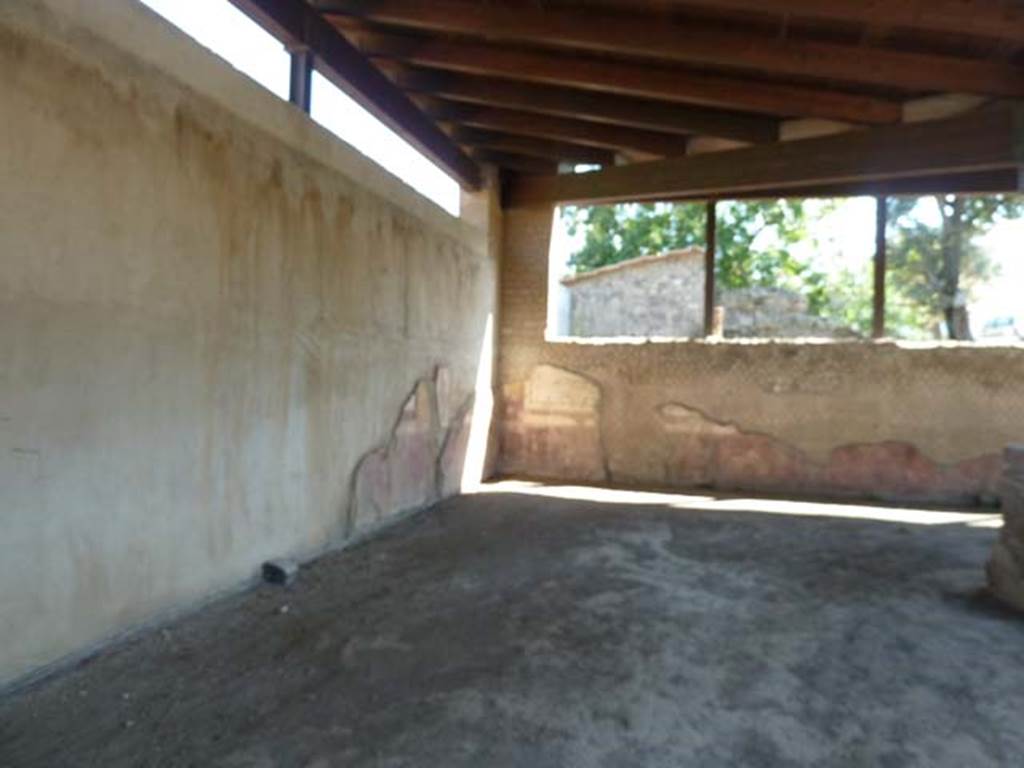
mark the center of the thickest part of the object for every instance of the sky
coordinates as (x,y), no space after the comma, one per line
(229,33)
(848,236)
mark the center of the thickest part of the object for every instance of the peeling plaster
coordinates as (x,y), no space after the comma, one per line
(421,461)
(554,422)
(555,426)
(722,454)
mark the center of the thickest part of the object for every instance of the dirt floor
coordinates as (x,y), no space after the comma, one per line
(561,627)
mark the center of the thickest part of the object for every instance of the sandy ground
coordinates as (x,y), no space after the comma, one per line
(514,629)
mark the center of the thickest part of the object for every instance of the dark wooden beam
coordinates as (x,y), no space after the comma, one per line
(881,231)
(511,161)
(560,128)
(653,37)
(636,79)
(1002,181)
(529,145)
(613,109)
(998,19)
(298,25)
(985,140)
(710,250)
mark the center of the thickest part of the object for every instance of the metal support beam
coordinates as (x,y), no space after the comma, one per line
(300,88)
(710,246)
(881,227)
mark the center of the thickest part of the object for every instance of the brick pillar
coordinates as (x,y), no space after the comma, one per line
(1006,567)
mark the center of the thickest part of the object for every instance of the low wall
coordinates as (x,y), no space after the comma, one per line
(860,419)
(226,336)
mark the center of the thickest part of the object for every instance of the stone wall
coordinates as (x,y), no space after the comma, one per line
(662,295)
(842,418)
(659,295)
(226,335)
(773,313)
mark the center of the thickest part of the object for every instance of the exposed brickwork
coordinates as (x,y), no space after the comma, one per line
(553,422)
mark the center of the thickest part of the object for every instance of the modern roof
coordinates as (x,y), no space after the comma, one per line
(532,84)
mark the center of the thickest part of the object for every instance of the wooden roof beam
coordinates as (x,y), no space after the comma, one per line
(985,140)
(561,128)
(998,19)
(634,35)
(296,23)
(666,117)
(511,161)
(996,182)
(628,78)
(559,151)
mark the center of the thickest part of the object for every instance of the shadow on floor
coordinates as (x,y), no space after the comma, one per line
(530,626)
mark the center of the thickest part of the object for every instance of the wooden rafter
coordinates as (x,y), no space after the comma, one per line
(665,117)
(527,164)
(630,78)
(636,35)
(1000,181)
(984,140)
(296,24)
(560,128)
(534,147)
(997,19)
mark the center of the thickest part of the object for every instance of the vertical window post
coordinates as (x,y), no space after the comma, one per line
(710,237)
(881,225)
(301,83)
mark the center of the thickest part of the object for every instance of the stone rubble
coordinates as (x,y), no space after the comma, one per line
(1006,566)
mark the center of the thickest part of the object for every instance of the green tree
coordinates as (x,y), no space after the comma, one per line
(754,240)
(615,233)
(934,267)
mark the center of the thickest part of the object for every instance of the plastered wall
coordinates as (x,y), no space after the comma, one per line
(859,419)
(224,335)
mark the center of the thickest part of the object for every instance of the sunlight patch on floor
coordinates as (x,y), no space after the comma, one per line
(705,503)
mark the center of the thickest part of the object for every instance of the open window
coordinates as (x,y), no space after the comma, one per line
(794,269)
(244,44)
(955,268)
(946,268)
(346,119)
(229,33)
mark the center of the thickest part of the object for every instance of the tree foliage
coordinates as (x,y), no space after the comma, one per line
(754,240)
(935,260)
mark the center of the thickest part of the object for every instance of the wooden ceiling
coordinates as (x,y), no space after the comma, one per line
(531,84)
